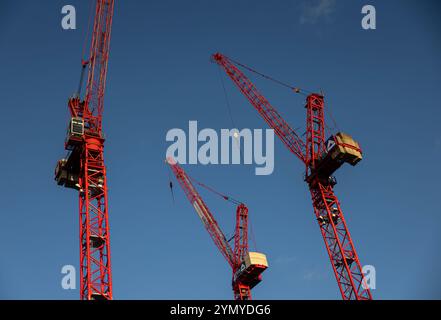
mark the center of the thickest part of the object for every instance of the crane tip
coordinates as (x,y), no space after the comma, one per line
(216,57)
(170,161)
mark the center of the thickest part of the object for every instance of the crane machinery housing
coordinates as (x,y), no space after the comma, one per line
(247,266)
(321,158)
(83,169)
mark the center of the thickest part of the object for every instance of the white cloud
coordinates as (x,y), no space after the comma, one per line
(316,10)
(285,260)
(312,275)
(438,142)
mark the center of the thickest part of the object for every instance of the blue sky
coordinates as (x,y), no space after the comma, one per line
(382,87)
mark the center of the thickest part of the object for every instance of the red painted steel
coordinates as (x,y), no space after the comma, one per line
(241,290)
(339,245)
(241,248)
(288,136)
(87,160)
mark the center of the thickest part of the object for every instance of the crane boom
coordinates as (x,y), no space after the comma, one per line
(320,163)
(203,212)
(282,129)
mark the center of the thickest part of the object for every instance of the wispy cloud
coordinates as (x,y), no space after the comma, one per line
(438,143)
(314,11)
(285,260)
(312,275)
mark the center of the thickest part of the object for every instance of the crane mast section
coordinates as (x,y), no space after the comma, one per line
(241,233)
(339,245)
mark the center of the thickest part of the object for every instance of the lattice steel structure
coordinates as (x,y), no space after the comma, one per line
(319,169)
(84,168)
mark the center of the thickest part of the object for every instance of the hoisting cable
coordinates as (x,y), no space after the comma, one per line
(225,197)
(332,118)
(226,98)
(253,239)
(80,85)
(227,101)
(85,62)
(284,84)
(170,183)
(87,31)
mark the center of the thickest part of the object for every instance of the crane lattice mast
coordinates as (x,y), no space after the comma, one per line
(321,158)
(247,266)
(84,168)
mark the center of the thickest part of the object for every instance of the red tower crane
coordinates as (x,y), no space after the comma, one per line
(247,266)
(83,169)
(321,158)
